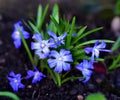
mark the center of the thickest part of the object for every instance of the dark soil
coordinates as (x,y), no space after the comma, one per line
(15,60)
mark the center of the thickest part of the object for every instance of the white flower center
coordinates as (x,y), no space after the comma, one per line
(17,33)
(36,74)
(15,81)
(85,69)
(42,45)
(96,50)
(59,39)
(60,59)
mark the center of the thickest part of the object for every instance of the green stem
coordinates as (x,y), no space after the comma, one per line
(27,49)
(70,78)
(63,76)
(51,72)
(10,95)
(58,79)
(115,62)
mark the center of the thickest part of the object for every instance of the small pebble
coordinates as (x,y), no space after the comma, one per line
(29,86)
(80,97)
(98,80)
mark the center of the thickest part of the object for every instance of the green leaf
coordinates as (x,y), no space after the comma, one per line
(89,32)
(96,96)
(117,10)
(71,78)
(69,36)
(27,48)
(9,94)
(51,72)
(81,57)
(55,25)
(34,28)
(116,45)
(79,34)
(115,62)
(41,17)
(54,19)
(78,52)
(92,41)
(55,12)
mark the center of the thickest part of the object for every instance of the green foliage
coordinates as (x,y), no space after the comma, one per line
(116,45)
(116,58)
(54,19)
(9,95)
(75,44)
(96,96)
(117,10)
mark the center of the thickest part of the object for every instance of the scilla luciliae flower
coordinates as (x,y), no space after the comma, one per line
(58,39)
(15,81)
(16,35)
(60,60)
(41,46)
(86,68)
(96,49)
(37,76)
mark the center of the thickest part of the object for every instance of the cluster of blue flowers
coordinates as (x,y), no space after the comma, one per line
(57,57)
(15,79)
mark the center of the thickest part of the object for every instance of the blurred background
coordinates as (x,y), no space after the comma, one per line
(93,13)
(27,8)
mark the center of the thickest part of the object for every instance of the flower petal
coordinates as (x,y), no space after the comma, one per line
(35,45)
(17,43)
(52,34)
(66,66)
(26,34)
(88,50)
(37,37)
(64,52)
(14,86)
(54,53)
(68,58)
(52,63)
(102,45)
(30,74)
(58,68)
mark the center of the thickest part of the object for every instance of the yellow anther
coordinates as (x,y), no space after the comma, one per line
(17,32)
(60,59)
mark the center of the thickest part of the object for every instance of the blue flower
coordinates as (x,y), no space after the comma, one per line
(86,68)
(16,34)
(41,46)
(58,39)
(96,49)
(37,76)
(15,81)
(60,60)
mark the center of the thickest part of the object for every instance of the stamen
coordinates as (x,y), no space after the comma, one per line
(60,59)
(42,45)
(36,74)
(59,39)
(15,81)
(85,69)
(96,50)
(17,32)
